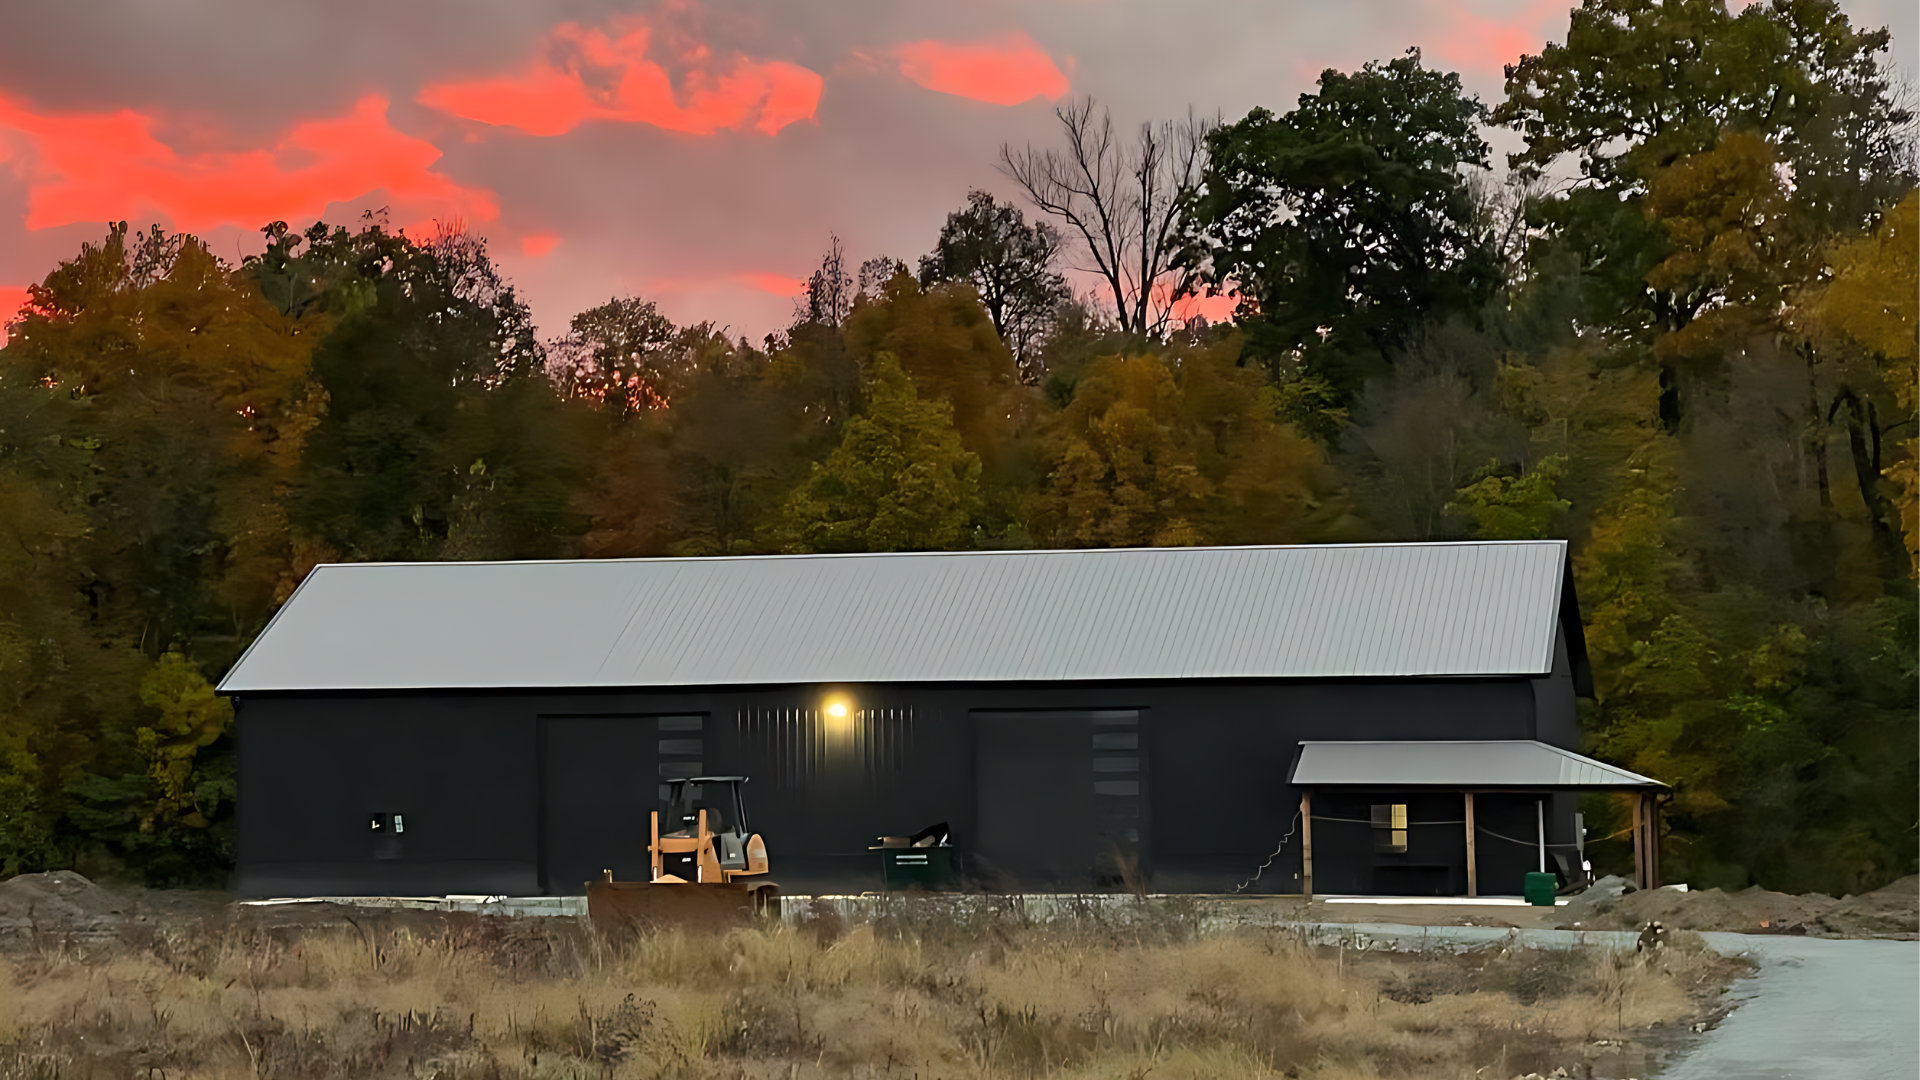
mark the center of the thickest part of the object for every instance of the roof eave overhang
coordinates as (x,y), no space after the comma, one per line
(1397,785)
(227,689)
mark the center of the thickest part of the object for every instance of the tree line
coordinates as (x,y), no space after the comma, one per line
(1695,359)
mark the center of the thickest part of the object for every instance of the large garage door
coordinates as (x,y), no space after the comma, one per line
(600,779)
(1059,798)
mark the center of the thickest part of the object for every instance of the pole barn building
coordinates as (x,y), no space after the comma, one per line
(1154,718)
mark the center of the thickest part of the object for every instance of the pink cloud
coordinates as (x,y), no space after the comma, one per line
(539,244)
(769,282)
(103,166)
(585,74)
(1005,71)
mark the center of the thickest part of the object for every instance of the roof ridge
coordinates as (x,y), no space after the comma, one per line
(965,553)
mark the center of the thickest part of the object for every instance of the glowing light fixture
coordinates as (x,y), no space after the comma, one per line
(838,710)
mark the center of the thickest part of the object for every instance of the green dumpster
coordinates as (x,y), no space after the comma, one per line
(921,861)
(1540,889)
(923,868)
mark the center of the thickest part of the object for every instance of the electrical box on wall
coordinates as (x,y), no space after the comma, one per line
(387,829)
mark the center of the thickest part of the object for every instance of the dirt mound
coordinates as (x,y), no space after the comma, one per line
(1889,912)
(1751,910)
(1893,911)
(59,901)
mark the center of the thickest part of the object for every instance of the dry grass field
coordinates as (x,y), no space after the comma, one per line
(929,995)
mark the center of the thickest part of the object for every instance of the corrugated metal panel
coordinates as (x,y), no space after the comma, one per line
(1517,763)
(1167,613)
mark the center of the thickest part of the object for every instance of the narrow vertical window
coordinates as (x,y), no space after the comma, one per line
(1390,827)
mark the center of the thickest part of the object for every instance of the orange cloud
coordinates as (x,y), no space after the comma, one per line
(539,244)
(584,74)
(1470,41)
(1005,71)
(1215,309)
(769,282)
(99,167)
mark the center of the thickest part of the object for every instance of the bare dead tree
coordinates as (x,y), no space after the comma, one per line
(1126,202)
(830,290)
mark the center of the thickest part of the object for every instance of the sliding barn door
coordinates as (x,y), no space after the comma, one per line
(1059,798)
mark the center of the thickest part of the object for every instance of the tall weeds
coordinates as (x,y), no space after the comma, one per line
(949,992)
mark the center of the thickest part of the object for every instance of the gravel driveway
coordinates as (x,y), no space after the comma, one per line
(1819,1008)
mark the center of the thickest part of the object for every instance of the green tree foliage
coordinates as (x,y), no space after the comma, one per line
(1641,85)
(621,355)
(1347,224)
(188,406)
(1427,428)
(900,480)
(189,719)
(153,406)
(1166,451)
(1523,507)
(702,476)
(1737,533)
(942,338)
(1010,265)
(440,438)
(1785,724)
(1870,300)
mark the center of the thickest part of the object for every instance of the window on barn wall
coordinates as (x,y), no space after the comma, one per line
(681,749)
(1390,827)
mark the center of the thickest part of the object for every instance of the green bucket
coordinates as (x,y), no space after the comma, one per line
(1540,889)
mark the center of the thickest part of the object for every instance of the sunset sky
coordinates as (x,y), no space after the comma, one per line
(694,154)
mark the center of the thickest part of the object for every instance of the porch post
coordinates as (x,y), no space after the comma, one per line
(1654,842)
(1306,844)
(1540,822)
(1639,842)
(1473,862)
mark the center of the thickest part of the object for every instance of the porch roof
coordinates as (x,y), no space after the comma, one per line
(1511,764)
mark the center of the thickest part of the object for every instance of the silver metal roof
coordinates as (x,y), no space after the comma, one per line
(1158,613)
(1514,763)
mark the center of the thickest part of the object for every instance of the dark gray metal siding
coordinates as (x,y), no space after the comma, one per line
(468,773)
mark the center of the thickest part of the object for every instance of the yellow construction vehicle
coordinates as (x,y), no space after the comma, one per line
(708,869)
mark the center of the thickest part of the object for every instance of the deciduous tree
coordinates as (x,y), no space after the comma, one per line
(1010,265)
(1348,223)
(1127,204)
(899,480)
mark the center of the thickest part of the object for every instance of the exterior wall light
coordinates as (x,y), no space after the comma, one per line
(838,714)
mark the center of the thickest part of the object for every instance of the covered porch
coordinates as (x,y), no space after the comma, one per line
(1490,782)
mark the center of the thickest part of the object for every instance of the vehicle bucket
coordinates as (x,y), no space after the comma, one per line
(622,908)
